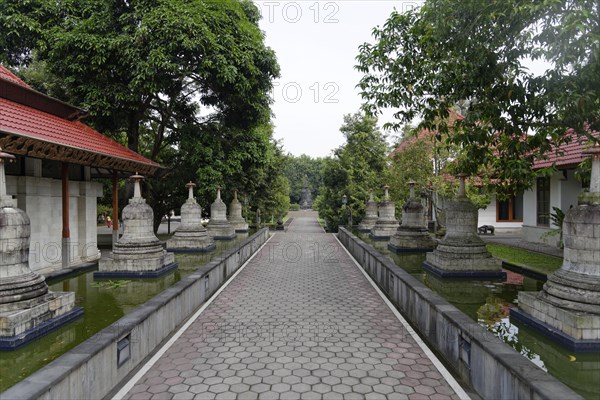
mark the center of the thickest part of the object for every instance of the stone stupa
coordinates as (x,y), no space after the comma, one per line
(191,235)
(370,218)
(462,253)
(568,307)
(305,195)
(387,223)
(218,226)
(235,215)
(138,252)
(412,235)
(27,308)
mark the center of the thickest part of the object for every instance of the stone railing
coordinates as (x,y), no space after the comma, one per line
(490,367)
(94,368)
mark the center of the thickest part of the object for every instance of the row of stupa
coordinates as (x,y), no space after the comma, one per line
(461,253)
(139,253)
(567,309)
(28,309)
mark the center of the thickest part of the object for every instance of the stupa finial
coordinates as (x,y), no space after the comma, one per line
(462,192)
(412,184)
(190,185)
(386,195)
(594,152)
(137,190)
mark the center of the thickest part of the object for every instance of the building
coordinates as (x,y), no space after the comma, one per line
(57,159)
(558,190)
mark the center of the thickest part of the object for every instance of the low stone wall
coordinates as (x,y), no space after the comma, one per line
(490,367)
(95,367)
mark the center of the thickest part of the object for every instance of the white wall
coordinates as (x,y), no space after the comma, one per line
(563,194)
(487,216)
(41,199)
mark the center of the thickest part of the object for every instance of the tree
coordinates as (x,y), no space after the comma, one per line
(296,168)
(185,83)
(412,159)
(150,65)
(471,53)
(356,168)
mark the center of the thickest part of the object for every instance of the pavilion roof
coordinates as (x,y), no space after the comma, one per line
(35,125)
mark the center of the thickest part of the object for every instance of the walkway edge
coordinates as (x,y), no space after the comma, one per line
(142,371)
(436,362)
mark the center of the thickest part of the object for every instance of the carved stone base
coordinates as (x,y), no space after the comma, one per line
(198,241)
(455,259)
(221,230)
(579,331)
(29,319)
(239,225)
(384,230)
(149,266)
(411,239)
(367,224)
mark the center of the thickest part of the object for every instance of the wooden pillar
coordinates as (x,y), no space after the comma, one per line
(66,232)
(115,209)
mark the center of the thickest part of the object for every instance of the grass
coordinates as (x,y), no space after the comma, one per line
(541,263)
(322,223)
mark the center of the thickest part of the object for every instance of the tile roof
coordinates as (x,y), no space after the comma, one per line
(570,154)
(22,120)
(9,76)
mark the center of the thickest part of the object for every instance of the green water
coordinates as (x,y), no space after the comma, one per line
(104,302)
(488,303)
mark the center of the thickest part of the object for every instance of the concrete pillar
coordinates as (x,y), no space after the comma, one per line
(66,232)
(115,209)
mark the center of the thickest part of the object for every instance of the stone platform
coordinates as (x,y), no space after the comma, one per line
(573,330)
(33,318)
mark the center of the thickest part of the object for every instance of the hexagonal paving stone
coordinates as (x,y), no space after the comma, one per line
(300,387)
(198,388)
(362,388)
(259,388)
(252,380)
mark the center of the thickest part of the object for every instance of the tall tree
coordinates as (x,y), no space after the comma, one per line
(184,82)
(356,168)
(149,64)
(472,53)
(298,167)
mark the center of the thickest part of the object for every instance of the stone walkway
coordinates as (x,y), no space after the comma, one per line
(300,321)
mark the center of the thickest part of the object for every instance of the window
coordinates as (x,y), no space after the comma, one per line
(543,201)
(510,210)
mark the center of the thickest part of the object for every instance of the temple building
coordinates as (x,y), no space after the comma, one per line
(57,158)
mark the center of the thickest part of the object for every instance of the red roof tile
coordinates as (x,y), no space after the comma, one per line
(9,76)
(424,134)
(570,154)
(25,121)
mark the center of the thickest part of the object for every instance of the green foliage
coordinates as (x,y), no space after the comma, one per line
(296,168)
(295,207)
(110,284)
(471,53)
(413,160)
(557,218)
(150,65)
(184,83)
(356,168)
(447,187)
(104,210)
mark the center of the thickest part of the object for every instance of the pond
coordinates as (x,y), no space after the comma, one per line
(104,302)
(488,302)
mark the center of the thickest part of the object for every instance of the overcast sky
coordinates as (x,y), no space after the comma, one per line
(316,44)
